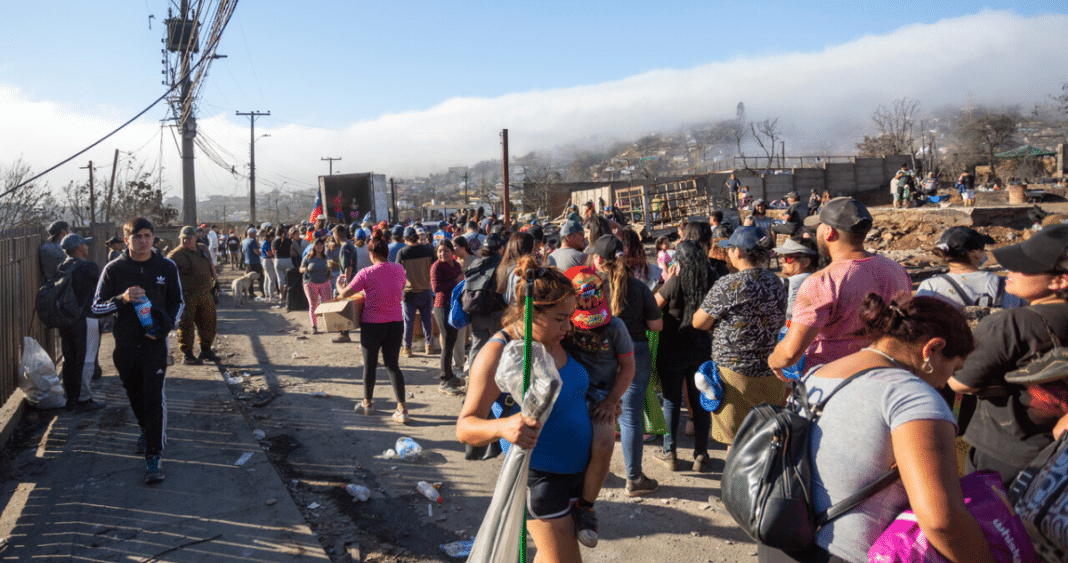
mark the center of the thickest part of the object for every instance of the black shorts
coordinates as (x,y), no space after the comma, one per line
(549,495)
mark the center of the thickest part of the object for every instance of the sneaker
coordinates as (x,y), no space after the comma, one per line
(432,350)
(400,417)
(191,360)
(406,351)
(207,354)
(343,337)
(315,330)
(89,406)
(451,387)
(700,463)
(640,486)
(153,470)
(585,525)
(141,446)
(365,408)
(667,459)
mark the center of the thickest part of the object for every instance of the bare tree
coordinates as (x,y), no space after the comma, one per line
(986,131)
(737,130)
(766,134)
(1062,100)
(30,205)
(894,129)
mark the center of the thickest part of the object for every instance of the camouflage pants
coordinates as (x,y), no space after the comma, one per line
(199,313)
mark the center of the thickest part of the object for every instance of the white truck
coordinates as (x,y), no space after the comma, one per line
(348,198)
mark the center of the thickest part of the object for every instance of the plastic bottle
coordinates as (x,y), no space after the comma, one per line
(144,312)
(458,548)
(407,449)
(359,492)
(259,434)
(429,491)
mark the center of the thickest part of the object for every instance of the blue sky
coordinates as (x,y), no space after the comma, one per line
(411,87)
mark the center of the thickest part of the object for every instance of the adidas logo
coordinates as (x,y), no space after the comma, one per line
(161,280)
(160,372)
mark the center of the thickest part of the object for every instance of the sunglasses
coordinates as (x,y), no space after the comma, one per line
(790,258)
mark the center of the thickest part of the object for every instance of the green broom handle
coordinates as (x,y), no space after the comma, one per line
(528,324)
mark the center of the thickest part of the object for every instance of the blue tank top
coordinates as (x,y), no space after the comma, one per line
(564,442)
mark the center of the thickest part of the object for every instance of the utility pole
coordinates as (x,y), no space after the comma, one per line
(467,199)
(111,188)
(507,203)
(187,121)
(92,194)
(331,159)
(252,115)
(393,189)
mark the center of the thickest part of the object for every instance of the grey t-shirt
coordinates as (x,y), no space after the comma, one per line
(563,258)
(599,352)
(793,285)
(980,288)
(851,447)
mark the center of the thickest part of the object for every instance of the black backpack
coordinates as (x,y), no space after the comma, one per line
(480,295)
(56,304)
(767,477)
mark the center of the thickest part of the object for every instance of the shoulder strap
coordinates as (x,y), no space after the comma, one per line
(817,409)
(999,297)
(956,286)
(849,503)
(1052,335)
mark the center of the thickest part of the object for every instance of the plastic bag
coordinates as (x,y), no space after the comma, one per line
(498,536)
(904,542)
(1040,496)
(458,318)
(38,378)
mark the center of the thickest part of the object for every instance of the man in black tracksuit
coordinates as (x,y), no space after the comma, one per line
(140,355)
(81,340)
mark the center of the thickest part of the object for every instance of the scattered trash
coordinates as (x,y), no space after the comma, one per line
(429,491)
(358,492)
(389,454)
(408,449)
(271,502)
(458,548)
(313,506)
(259,434)
(430,510)
(321,394)
(243,459)
(297,356)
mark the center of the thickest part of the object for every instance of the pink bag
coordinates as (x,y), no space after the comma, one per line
(904,542)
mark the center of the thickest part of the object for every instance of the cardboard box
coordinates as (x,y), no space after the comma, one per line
(341,314)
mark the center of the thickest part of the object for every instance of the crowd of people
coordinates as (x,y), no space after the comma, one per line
(604,307)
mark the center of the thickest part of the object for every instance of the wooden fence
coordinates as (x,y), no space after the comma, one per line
(20,277)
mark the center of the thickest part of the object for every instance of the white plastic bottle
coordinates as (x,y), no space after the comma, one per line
(359,492)
(429,491)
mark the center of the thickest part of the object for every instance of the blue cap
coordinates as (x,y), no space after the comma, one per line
(746,238)
(398,231)
(707,380)
(362,234)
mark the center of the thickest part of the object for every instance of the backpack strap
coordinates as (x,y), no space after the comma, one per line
(999,297)
(960,290)
(1052,335)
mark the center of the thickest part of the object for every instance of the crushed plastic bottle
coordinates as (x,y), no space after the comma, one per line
(408,449)
(358,492)
(389,454)
(321,394)
(458,548)
(429,491)
(259,434)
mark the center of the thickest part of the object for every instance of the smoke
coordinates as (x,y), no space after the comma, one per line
(823,99)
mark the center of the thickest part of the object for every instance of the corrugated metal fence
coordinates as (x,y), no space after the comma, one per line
(20,277)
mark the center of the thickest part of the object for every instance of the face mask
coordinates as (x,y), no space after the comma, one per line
(982,257)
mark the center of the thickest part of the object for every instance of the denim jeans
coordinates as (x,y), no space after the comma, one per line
(673,381)
(630,421)
(424,303)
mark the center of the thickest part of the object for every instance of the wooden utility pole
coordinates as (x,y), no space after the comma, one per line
(252,115)
(92,194)
(507,204)
(393,189)
(331,159)
(111,187)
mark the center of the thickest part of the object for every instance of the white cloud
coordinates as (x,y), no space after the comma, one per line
(824,98)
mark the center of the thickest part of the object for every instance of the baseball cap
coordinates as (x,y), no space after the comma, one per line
(842,213)
(791,246)
(963,239)
(74,240)
(186,232)
(57,227)
(398,231)
(746,238)
(410,232)
(570,227)
(493,241)
(791,195)
(362,234)
(1043,252)
(592,306)
(708,383)
(607,247)
(117,240)
(251,231)
(420,231)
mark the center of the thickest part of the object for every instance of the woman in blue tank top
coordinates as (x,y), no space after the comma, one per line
(557,465)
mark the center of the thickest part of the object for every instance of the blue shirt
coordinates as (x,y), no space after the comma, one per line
(251,250)
(394,248)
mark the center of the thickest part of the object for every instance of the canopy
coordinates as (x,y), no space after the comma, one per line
(1025,151)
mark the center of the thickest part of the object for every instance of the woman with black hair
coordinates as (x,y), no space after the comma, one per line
(684,348)
(964,251)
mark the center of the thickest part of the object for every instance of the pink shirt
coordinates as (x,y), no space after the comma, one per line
(831,299)
(383,287)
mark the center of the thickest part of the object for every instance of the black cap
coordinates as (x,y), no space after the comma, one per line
(1044,252)
(962,239)
(537,232)
(607,247)
(57,227)
(844,214)
(493,242)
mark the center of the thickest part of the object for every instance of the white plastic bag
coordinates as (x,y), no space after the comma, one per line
(498,536)
(38,378)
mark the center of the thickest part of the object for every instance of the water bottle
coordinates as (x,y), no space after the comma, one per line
(144,312)
(429,491)
(407,449)
(359,492)
(458,548)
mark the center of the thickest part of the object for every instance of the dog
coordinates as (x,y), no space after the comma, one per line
(242,287)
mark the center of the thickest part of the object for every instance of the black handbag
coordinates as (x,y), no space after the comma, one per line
(766,485)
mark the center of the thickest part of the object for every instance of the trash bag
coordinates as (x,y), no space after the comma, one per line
(498,536)
(38,378)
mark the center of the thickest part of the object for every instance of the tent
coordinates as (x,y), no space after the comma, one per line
(1026,151)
